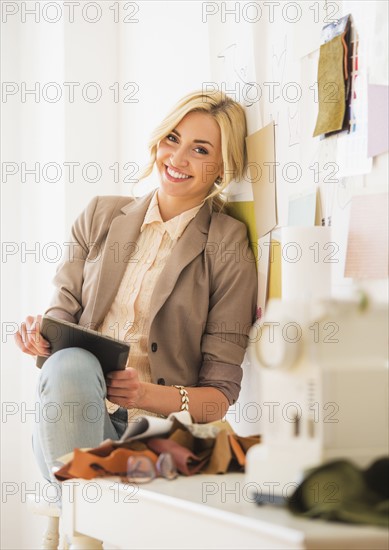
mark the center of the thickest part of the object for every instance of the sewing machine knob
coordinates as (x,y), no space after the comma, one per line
(275,349)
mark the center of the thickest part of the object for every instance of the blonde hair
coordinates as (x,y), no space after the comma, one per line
(230,117)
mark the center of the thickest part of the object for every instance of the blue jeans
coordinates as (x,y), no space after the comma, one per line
(71,392)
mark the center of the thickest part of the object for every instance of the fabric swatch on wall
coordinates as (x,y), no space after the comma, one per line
(331,87)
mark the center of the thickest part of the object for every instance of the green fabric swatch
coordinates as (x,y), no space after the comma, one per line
(331,87)
(244,212)
(340,491)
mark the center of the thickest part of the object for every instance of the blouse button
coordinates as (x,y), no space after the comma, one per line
(161,381)
(154,347)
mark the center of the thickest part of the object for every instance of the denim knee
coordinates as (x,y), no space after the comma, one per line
(73,371)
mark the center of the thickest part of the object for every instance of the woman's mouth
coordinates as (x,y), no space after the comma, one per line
(174,175)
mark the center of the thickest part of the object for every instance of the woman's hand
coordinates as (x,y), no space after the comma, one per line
(29,339)
(124,388)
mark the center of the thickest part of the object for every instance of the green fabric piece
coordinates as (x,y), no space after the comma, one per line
(331,87)
(340,491)
(245,212)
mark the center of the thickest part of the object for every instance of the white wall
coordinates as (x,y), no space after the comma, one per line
(34,133)
(166,55)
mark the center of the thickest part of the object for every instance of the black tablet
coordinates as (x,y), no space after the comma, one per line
(111,353)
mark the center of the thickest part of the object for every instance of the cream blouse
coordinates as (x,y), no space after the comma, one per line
(128,317)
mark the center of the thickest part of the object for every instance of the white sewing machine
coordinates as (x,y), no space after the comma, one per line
(324,389)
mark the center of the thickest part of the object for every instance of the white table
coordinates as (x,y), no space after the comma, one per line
(196,512)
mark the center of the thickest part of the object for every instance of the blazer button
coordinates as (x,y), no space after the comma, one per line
(161,381)
(154,346)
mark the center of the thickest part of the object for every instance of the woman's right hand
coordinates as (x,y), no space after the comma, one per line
(29,339)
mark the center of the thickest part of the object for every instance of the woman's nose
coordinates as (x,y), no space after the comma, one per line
(179,158)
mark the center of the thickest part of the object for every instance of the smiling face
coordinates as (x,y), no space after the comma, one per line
(189,159)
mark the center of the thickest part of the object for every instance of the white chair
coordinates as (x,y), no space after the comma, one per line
(51,537)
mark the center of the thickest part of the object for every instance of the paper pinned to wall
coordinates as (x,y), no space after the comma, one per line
(302,208)
(308,109)
(352,155)
(379,48)
(307,30)
(378,113)
(307,256)
(261,163)
(233,64)
(367,246)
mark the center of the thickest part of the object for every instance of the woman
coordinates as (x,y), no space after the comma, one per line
(167,272)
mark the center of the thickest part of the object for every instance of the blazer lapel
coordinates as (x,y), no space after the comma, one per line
(119,246)
(190,245)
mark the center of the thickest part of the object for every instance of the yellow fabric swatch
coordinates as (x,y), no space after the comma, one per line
(244,212)
(274,287)
(331,87)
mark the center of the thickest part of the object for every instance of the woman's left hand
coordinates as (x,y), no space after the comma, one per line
(124,388)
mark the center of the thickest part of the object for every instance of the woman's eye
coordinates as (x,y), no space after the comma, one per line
(171,137)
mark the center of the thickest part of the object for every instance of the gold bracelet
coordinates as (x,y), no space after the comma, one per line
(184,398)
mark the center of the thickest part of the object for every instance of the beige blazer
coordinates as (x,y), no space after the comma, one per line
(204,301)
